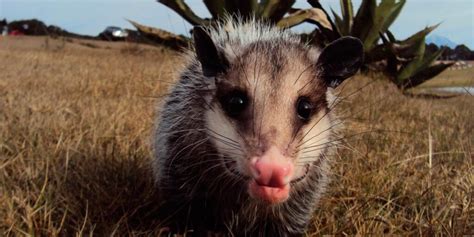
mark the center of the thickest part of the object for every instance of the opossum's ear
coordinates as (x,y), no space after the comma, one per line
(212,61)
(340,60)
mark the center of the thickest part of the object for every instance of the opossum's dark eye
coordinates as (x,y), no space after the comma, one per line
(234,103)
(304,108)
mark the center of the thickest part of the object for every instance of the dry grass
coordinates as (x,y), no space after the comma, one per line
(74,149)
(450,78)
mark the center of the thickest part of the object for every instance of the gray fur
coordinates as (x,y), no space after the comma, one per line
(193,181)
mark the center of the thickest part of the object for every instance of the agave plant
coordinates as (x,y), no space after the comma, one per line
(279,12)
(405,62)
(408,62)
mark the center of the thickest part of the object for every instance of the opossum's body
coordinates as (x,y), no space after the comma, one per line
(243,137)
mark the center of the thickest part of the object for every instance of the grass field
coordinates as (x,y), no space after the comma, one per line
(450,78)
(75,123)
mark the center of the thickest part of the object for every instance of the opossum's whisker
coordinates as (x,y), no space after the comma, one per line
(329,144)
(185,132)
(206,171)
(199,94)
(189,131)
(330,128)
(225,180)
(356,91)
(322,117)
(331,107)
(297,130)
(235,173)
(302,72)
(261,120)
(345,145)
(228,138)
(179,137)
(220,135)
(351,136)
(256,77)
(341,119)
(307,83)
(198,181)
(240,65)
(213,158)
(314,160)
(193,145)
(209,106)
(321,146)
(189,167)
(334,142)
(311,158)
(225,142)
(303,160)
(217,159)
(232,151)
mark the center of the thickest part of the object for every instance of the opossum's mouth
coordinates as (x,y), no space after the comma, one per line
(302,177)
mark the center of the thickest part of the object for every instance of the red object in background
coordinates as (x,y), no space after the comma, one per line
(16,32)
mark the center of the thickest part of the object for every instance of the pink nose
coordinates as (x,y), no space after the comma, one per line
(272,169)
(271,175)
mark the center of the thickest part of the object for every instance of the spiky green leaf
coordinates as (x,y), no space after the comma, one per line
(180,7)
(411,68)
(339,23)
(363,20)
(274,10)
(385,14)
(397,8)
(420,34)
(313,15)
(425,75)
(245,8)
(156,35)
(347,15)
(409,48)
(390,36)
(216,8)
(378,53)
(429,59)
(328,34)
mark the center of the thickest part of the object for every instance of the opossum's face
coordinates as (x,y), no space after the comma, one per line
(270,116)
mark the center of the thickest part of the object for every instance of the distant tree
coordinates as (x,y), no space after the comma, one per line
(29,27)
(462,52)
(432,48)
(448,53)
(4,27)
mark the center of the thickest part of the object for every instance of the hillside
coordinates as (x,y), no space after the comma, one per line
(439,41)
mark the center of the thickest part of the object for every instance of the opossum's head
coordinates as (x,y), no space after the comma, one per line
(270,115)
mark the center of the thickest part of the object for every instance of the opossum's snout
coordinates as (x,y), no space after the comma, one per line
(271,176)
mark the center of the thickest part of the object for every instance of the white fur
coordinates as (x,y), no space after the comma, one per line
(244,33)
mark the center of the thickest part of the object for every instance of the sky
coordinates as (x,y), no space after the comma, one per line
(92,16)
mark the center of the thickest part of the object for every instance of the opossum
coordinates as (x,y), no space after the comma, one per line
(244,136)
